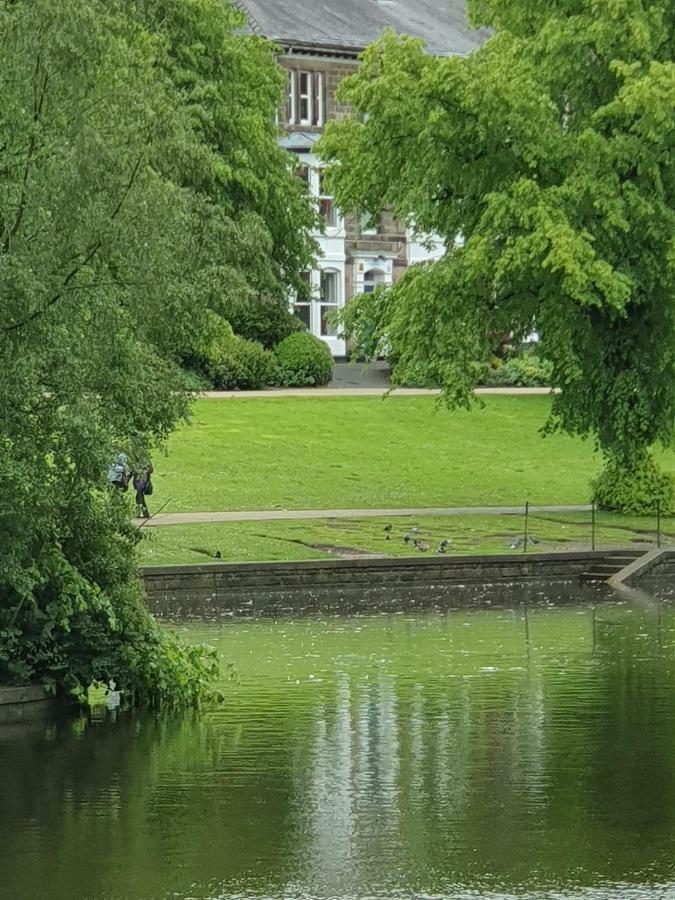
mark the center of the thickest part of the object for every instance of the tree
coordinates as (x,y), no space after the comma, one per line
(545,162)
(140,183)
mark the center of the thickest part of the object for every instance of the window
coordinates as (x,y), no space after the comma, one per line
(371,279)
(302,305)
(319,100)
(327,207)
(328,211)
(305,94)
(330,299)
(292,105)
(306,98)
(304,175)
(368,225)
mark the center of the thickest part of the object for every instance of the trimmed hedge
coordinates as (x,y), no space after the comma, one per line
(265,320)
(303,360)
(246,366)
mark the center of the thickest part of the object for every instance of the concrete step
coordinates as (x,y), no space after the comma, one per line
(595,576)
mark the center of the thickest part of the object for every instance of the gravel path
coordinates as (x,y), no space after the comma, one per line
(273,515)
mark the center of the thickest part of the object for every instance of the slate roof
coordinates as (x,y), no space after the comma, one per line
(350,25)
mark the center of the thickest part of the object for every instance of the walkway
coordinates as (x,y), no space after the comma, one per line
(273,393)
(274,515)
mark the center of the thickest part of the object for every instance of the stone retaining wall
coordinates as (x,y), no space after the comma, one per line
(19,704)
(350,585)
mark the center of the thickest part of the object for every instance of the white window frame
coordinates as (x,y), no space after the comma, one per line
(309,97)
(320,99)
(336,275)
(293,105)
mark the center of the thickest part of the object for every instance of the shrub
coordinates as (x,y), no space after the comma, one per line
(634,488)
(304,360)
(527,370)
(211,349)
(264,320)
(246,366)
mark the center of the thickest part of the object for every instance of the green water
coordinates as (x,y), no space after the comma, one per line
(464,755)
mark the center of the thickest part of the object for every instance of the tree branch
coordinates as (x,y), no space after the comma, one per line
(38,105)
(91,253)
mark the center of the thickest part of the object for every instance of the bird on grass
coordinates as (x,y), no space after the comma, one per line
(520,542)
(443,546)
(422,546)
(387,532)
(406,538)
(415,530)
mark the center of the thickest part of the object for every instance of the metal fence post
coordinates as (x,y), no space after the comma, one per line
(658,523)
(527,514)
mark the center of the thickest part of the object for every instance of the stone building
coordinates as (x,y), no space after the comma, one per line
(320,42)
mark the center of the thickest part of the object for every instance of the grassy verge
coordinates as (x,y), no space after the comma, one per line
(330,538)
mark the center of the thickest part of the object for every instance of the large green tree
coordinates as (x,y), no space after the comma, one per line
(545,161)
(141,185)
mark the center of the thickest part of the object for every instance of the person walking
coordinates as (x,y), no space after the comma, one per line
(119,472)
(143,488)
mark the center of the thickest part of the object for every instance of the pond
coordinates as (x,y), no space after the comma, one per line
(452,755)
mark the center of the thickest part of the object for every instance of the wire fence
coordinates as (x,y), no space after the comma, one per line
(593,529)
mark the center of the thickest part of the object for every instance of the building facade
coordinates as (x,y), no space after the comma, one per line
(320,42)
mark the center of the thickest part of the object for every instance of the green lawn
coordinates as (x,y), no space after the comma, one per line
(292,540)
(349,453)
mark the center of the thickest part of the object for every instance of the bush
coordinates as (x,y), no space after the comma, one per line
(214,344)
(246,366)
(264,320)
(527,370)
(304,360)
(635,489)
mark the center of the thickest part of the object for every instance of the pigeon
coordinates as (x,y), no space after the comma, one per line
(387,532)
(387,528)
(406,538)
(518,542)
(443,546)
(422,546)
(415,530)
(218,554)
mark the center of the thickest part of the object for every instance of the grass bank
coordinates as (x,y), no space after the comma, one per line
(368,452)
(330,538)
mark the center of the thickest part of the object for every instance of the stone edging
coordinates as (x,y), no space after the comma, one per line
(642,566)
(348,585)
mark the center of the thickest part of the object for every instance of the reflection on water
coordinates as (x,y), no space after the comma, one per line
(464,755)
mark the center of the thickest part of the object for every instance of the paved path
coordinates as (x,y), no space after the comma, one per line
(370,392)
(275,515)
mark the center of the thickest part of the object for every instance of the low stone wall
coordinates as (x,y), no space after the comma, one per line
(352,585)
(20,704)
(655,571)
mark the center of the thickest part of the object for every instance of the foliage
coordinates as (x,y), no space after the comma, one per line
(263,319)
(526,370)
(304,360)
(210,348)
(544,161)
(140,184)
(246,366)
(636,489)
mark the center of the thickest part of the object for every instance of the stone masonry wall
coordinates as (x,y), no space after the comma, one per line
(329,586)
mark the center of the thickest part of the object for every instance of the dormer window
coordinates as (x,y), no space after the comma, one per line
(306,98)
